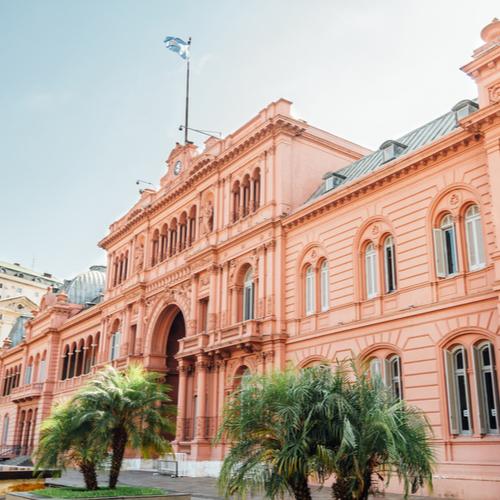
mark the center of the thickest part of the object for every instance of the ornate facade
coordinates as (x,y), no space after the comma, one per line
(239,261)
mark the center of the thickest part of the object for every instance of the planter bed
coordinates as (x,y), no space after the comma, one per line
(121,492)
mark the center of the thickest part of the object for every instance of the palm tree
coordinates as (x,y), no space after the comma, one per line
(67,438)
(132,408)
(277,425)
(380,435)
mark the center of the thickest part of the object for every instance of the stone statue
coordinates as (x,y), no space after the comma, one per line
(208,217)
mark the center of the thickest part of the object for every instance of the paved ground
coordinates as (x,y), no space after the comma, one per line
(201,488)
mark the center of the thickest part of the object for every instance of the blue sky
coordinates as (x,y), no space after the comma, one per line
(90,100)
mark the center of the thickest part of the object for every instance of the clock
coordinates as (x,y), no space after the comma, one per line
(177,167)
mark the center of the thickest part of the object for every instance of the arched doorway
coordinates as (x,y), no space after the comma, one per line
(176,332)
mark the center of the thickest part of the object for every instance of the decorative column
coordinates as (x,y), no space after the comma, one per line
(201,389)
(181,401)
(193,309)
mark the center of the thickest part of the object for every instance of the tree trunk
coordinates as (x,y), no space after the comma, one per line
(366,485)
(118,444)
(341,489)
(301,489)
(89,475)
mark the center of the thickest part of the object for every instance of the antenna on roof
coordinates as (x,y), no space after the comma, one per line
(210,133)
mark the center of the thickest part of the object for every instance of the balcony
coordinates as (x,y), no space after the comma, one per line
(27,392)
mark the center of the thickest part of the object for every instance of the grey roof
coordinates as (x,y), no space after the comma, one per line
(413,140)
(27,274)
(17,332)
(87,288)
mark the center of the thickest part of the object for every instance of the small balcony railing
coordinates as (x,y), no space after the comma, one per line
(27,392)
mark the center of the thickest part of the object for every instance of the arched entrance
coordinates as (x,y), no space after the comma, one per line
(169,328)
(176,332)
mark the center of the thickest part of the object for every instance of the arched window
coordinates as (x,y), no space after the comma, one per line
(65,363)
(163,242)
(173,237)
(487,390)
(72,360)
(192,225)
(246,195)
(28,372)
(389,265)
(256,189)
(114,341)
(182,231)
(156,248)
(248,295)
(458,391)
(474,236)
(445,247)
(393,375)
(375,368)
(42,372)
(310,291)
(236,201)
(371,271)
(324,281)
(5,430)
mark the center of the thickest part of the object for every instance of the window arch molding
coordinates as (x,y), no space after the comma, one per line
(313,360)
(375,230)
(455,200)
(452,405)
(312,256)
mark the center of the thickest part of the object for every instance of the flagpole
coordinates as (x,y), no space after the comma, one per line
(187,95)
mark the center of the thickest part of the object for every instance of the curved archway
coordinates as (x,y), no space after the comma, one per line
(169,329)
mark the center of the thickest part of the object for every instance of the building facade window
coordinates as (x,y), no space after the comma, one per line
(310,302)
(487,390)
(371,271)
(5,430)
(375,368)
(445,247)
(114,351)
(42,374)
(27,374)
(324,288)
(248,296)
(458,391)
(393,376)
(474,237)
(389,265)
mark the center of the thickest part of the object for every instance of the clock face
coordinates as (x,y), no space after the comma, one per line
(177,167)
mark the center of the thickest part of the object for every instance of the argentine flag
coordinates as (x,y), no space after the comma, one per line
(177,45)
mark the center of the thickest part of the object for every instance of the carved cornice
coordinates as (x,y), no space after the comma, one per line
(202,169)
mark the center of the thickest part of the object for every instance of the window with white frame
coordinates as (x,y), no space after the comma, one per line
(248,296)
(474,237)
(445,247)
(458,390)
(324,279)
(393,376)
(371,271)
(310,292)
(114,346)
(389,265)
(487,390)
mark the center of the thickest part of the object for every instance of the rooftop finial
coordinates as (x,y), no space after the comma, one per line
(491,32)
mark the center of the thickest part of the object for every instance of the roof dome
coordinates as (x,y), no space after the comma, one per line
(87,287)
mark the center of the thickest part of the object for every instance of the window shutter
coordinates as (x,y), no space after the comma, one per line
(439,253)
(483,422)
(452,395)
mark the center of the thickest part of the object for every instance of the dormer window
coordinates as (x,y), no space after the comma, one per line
(464,108)
(391,150)
(332,180)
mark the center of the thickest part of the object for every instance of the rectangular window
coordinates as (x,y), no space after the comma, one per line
(390,269)
(310,306)
(371,275)
(248,302)
(475,247)
(324,287)
(115,346)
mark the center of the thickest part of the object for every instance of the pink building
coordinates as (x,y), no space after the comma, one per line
(283,243)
